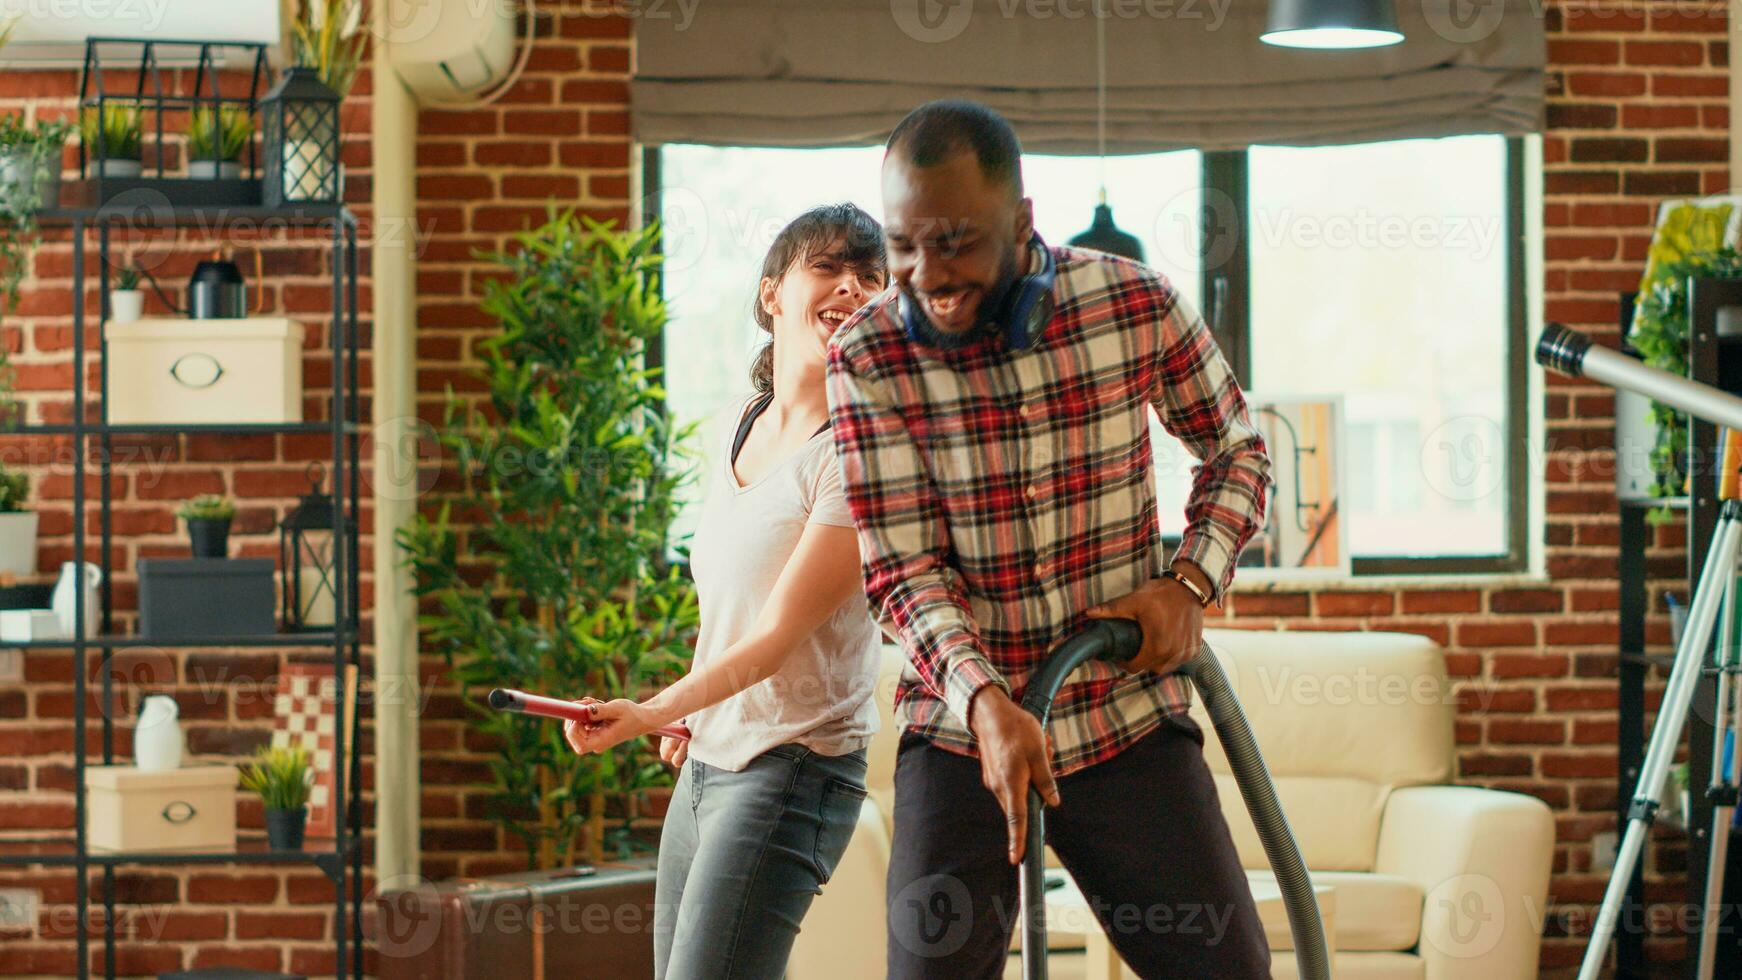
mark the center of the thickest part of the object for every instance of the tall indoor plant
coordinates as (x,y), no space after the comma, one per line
(546,570)
(1660,334)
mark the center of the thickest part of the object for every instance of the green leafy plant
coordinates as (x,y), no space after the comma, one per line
(14,490)
(220,135)
(127,277)
(281,775)
(112,134)
(30,159)
(545,570)
(327,35)
(1660,334)
(206,507)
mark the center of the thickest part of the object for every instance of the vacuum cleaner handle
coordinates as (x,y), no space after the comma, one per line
(1118,640)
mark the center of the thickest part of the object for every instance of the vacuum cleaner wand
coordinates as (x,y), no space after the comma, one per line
(1569,352)
(1118,640)
(508,699)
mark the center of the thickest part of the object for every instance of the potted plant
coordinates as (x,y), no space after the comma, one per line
(1660,334)
(17,525)
(328,36)
(215,142)
(126,299)
(30,161)
(30,156)
(208,519)
(281,775)
(583,601)
(112,138)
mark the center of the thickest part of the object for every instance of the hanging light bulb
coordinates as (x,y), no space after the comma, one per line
(1331,24)
(1103,235)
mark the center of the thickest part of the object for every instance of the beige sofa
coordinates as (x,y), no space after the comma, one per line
(1431,881)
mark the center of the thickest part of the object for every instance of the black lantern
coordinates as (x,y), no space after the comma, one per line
(308,553)
(299,120)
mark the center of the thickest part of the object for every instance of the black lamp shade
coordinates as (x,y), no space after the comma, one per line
(1332,24)
(1105,236)
(300,141)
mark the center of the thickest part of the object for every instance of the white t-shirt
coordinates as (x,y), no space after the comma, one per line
(821,695)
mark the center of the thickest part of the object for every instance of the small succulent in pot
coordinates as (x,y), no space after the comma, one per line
(126,299)
(281,775)
(112,137)
(208,519)
(215,141)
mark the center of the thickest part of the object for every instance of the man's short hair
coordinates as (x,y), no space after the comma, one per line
(938,130)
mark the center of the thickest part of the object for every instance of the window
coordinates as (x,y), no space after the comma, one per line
(1388,273)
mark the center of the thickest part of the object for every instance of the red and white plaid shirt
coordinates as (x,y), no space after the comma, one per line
(1000,492)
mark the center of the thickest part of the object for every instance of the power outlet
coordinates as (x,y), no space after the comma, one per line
(11,666)
(18,908)
(1603,844)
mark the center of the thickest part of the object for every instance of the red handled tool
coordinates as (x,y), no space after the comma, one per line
(508,699)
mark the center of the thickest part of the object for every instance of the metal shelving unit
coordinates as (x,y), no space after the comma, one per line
(1712,360)
(342,860)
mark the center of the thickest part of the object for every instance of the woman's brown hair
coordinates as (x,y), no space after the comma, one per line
(803,237)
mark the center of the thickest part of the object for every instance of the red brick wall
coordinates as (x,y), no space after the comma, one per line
(1637,112)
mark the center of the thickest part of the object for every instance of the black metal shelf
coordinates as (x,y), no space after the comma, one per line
(1714,361)
(140,209)
(92,453)
(312,640)
(63,852)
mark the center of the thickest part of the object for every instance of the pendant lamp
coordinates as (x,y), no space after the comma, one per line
(1103,235)
(1331,24)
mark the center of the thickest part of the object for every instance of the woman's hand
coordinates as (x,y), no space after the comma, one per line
(614,722)
(674,751)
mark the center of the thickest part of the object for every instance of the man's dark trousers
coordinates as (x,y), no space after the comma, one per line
(1141,833)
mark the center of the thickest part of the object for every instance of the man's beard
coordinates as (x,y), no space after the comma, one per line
(989,317)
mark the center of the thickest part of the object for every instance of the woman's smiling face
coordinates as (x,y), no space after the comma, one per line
(817,293)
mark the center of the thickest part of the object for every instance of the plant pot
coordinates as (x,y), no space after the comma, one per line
(221,170)
(18,543)
(284,828)
(209,537)
(114,167)
(126,305)
(21,181)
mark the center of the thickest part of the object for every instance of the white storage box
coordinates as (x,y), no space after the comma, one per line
(186,809)
(169,370)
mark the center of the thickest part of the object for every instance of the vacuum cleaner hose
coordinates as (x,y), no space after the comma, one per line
(1118,640)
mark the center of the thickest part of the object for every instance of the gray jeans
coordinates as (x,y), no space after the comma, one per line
(743,854)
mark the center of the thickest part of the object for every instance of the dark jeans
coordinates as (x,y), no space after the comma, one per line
(1142,835)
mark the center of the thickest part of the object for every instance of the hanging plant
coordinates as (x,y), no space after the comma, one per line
(556,581)
(1660,334)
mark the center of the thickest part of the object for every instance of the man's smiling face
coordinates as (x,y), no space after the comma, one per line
(956,241)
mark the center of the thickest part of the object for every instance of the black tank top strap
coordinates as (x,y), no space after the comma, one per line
(756,409)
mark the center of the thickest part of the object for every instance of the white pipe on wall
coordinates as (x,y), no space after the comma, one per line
(393,119)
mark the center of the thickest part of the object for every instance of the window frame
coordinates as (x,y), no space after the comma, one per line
(1226,288)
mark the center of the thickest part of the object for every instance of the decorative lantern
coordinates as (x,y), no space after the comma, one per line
(309,561)
(300,122)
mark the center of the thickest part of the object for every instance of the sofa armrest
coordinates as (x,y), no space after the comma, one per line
(842,937)
(1482,858)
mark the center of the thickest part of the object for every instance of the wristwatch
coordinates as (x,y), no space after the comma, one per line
(1191,586)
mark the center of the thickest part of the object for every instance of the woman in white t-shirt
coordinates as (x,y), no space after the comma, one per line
(778,699)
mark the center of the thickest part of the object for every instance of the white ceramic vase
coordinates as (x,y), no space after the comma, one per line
(126,305)
(157,741)
(66,591)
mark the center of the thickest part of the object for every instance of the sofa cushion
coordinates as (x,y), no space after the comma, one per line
(1342,719)
(1375,912)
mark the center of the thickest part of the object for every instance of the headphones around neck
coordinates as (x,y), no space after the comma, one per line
(1024,309)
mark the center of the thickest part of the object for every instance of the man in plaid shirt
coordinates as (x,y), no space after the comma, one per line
(999,472)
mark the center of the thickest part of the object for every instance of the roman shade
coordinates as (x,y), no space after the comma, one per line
(1180,73)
